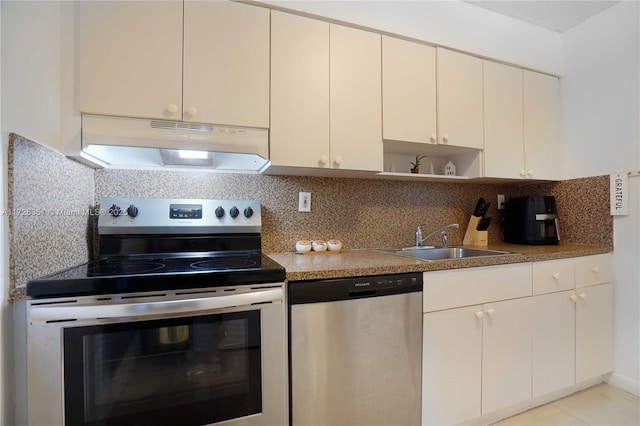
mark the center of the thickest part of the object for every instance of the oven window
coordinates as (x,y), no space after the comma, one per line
(184,371)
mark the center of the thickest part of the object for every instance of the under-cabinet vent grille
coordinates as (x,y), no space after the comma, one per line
(173,125)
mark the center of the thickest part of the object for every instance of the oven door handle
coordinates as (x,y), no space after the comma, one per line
(146,309)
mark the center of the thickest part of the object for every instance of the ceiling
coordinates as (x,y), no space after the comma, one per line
(555,15)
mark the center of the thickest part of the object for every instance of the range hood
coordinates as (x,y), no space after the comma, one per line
(133,142)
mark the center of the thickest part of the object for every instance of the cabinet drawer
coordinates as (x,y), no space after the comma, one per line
(591,270)
(553,275)
(472,286)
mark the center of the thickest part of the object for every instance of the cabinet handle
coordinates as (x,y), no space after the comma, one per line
(556,276)
(523,173)
(324,159)
(583,296)
(338,160)
(445,138)
(192,111)
(479,315)
(595,269)
(530,173)
(434,138)
(490,312)
(573,298)
(172,108)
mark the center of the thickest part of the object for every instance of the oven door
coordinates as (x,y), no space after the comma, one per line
(172,360)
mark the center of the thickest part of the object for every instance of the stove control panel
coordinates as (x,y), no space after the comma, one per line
(178,216)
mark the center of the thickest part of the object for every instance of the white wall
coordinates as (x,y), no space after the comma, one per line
(448,23)
(31,77)
(6,335)
(601,129)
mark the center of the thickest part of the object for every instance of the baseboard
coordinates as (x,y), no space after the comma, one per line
(625,383)
(498,415)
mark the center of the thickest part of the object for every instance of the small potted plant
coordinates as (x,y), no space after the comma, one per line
(415,165)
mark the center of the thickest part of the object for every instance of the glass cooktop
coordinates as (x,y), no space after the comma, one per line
(123,274)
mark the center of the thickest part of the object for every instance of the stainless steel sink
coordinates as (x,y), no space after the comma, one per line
(447,253)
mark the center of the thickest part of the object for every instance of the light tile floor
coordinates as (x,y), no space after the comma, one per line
(599,405)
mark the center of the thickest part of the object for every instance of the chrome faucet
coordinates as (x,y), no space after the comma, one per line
(442,230)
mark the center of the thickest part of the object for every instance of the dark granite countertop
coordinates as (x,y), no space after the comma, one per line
(352,263)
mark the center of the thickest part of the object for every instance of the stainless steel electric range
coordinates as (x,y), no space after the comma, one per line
(179,320)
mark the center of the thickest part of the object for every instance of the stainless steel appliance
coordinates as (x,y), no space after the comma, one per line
(356,347)
(531,220)
(179,320)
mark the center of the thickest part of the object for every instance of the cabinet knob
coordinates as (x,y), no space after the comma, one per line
(479,315)
(490,312)
(192,111)
(445,138)
(172,108)
(529,172)
(434,138)
(573,298)
(523,173)
(556,276)
(595,269)
(324,159)
(338,160)
(582,296)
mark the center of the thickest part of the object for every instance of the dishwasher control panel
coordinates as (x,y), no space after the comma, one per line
(328,290)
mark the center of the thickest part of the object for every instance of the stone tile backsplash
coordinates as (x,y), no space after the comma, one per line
(50,198)
(363,213)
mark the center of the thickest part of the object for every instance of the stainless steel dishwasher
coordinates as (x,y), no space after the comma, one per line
(355,348)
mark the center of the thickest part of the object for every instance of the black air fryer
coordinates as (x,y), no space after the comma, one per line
(531,220)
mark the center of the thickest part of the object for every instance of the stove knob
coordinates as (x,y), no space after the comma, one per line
(234,212)
(248,212)
(219,212)
(115,210)
(132,211)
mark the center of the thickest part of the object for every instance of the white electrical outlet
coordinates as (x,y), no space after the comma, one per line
(304,202)
(500,201)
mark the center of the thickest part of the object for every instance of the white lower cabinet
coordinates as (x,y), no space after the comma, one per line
(553,342)
(476,359)
(594,331)
(495,337)
(506,354)
(452,365)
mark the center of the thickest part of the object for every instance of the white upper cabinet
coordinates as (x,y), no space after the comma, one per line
(299,91)
(226,63)
(355,100)
(503,121)
(460,101)
(408,91)
(326,107)
(542,146)
(130,61)
(130,58)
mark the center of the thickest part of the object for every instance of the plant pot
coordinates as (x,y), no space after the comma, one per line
(415,170)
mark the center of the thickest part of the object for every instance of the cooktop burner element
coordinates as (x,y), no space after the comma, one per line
(110,267)
(168,244)
(225,263)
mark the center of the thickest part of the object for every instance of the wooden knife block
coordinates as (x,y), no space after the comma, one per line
(473,237)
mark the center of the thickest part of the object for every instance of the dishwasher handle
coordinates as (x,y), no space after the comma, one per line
(147,309)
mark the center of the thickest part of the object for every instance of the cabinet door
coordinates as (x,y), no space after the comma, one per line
(503,128)
(226,63)
(459,99)
(542,149)
(553,363)
(594,331)
(130,58)
(451,366)
(408,91)
(299,132)
(506,354)
(355,99)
